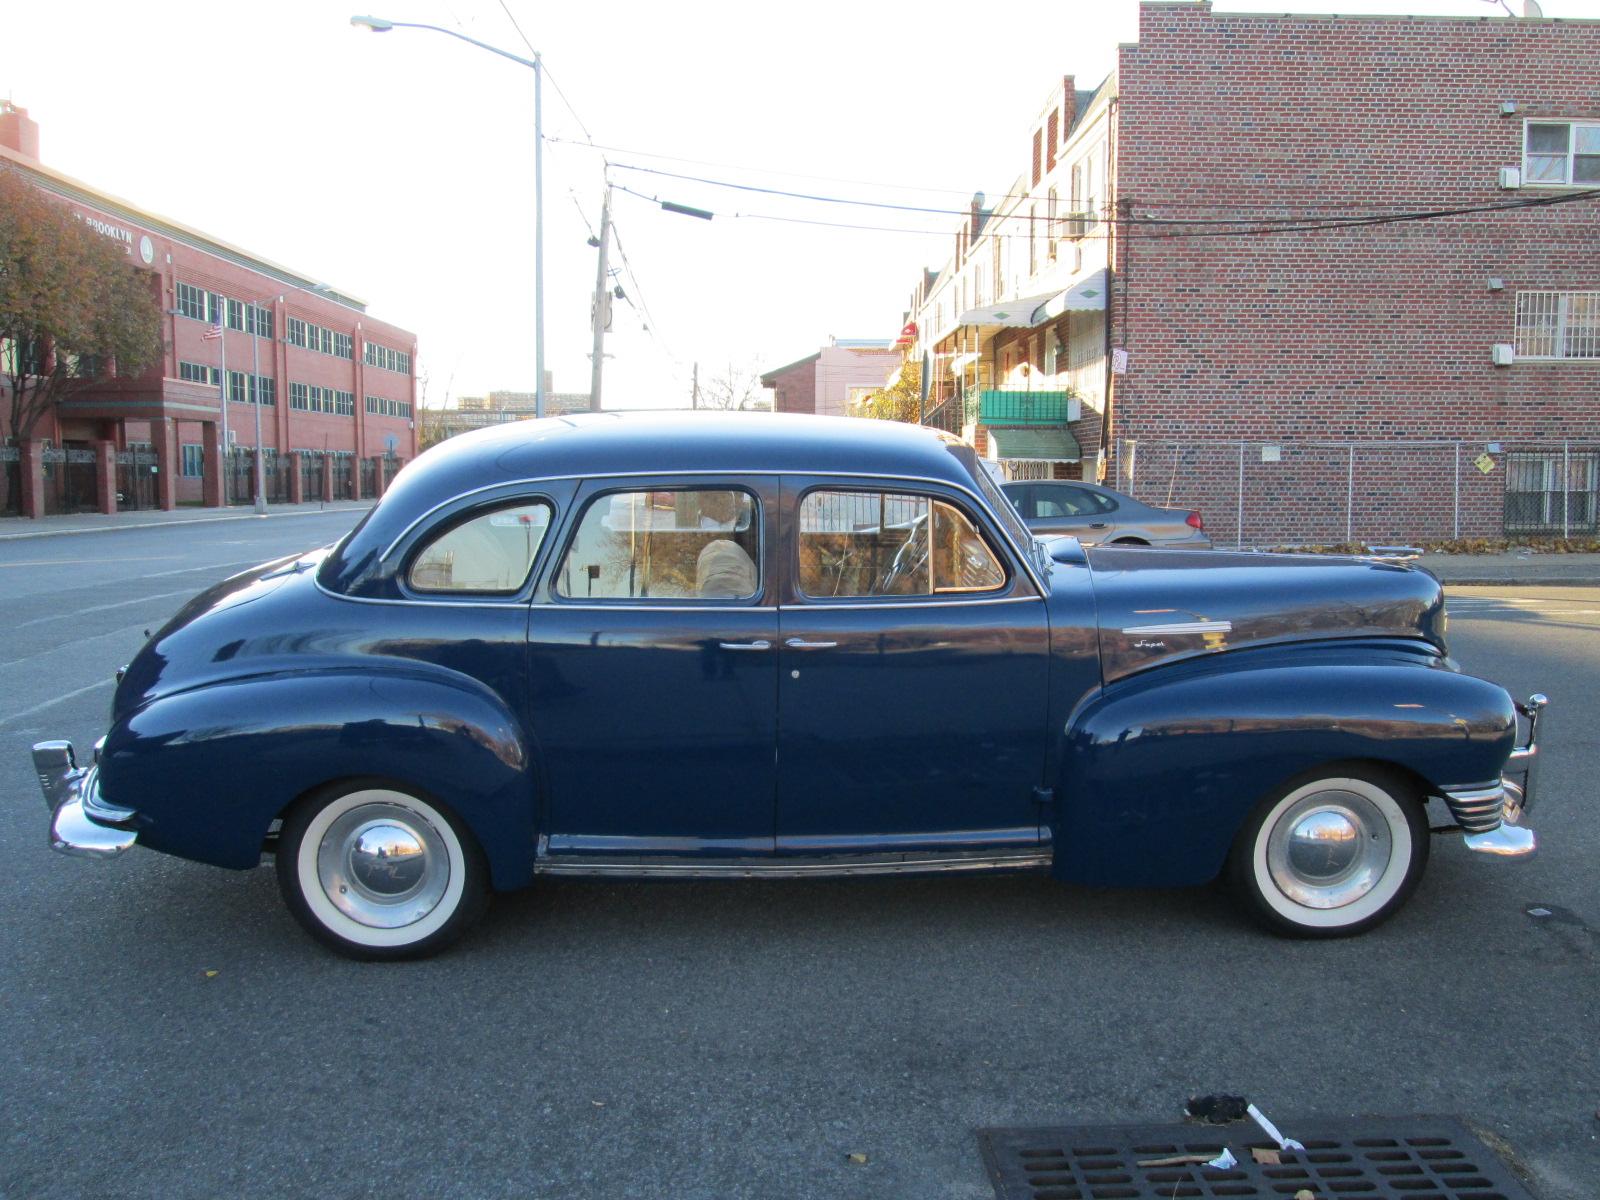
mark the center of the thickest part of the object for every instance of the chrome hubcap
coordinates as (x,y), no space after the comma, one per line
(383,865)
(1329,849)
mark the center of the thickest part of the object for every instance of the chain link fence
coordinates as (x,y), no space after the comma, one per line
(1274,493)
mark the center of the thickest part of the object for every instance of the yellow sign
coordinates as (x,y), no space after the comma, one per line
(1484,463)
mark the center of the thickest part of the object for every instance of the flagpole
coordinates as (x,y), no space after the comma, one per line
(222,354)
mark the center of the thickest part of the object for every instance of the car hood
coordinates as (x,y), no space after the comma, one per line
(1157,606)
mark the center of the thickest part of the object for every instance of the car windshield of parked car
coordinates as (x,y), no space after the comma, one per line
(695,543)
(491,552)
(885,544)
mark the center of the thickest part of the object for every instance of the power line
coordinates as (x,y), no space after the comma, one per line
(1253,226)
(547,74)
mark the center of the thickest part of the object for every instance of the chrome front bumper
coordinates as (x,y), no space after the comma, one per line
(1490,814)
(81,823)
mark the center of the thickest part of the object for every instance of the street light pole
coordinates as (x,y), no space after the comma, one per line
(381,25)
(254,392)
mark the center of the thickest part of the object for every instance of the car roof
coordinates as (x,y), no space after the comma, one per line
(670,442)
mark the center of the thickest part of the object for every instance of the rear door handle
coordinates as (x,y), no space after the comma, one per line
(1100,525)
(802,644)
(758,645)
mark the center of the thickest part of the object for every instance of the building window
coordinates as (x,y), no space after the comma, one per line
(200,373)
(315,337)
(390,360)
(236,387)
(381,406)
(1558,325)
(259,321)
(236,314)
(266,391)
(194,460)
(1539,500)
(198,304)
(1076,226)
(298,399)
(1559,153)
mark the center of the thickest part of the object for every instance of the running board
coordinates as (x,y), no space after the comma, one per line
(796,866)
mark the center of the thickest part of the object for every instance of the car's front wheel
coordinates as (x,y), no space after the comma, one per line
(1332,855)
(377,872)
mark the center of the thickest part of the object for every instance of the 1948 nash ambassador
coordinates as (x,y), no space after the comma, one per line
(720,645)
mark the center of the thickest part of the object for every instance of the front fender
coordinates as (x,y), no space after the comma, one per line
(1160,771)
(210,768)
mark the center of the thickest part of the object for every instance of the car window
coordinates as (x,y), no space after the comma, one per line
(1070,502)
(863,544)
(1021,497)
(690,543)
(488,553)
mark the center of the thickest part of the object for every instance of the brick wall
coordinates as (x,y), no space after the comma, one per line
(1373,333)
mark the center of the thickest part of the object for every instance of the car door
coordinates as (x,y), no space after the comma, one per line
(912,675)
(653,671)
(1066,508)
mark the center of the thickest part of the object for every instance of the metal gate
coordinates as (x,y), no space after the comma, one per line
(69,481)
(310,476)
(343,477)
(369,479)
(10,481)
(136,479)
(391,468)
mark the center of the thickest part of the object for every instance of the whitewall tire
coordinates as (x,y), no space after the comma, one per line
(378,872)
(1333,855)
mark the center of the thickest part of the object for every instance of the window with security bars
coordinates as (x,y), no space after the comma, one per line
(1552,491)
(1558,325)
(1561,153)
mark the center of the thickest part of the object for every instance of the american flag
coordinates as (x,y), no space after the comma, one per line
(212,332)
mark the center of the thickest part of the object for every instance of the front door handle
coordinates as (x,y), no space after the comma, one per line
(802,644)
(1100,525)
(758,645)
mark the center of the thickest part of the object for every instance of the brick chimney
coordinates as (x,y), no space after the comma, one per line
(18,131)
(1069,104)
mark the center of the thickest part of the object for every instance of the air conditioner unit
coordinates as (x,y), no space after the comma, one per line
(1510,178)
(233,437)
(1503,354)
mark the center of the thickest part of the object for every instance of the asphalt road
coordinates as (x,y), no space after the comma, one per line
(170,1032)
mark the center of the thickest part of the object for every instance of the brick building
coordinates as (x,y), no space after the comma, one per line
(334,387)
(1288,337)
(833,378)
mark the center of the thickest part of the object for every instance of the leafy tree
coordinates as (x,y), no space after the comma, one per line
(70,305)
(900,401)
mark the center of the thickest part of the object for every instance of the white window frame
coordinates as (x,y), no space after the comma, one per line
(1534,314)
(1567,180)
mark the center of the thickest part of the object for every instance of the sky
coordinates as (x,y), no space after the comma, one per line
(398,167)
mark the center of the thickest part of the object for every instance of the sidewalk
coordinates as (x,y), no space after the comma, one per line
(15,528)
(1515,567)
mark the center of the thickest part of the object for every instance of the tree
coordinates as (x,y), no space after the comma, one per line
(737,389)
(71,305)
(900,401)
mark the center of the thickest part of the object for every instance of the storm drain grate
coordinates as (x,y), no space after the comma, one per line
(1373,1158)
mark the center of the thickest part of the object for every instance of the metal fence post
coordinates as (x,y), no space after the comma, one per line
(1457,501)
(1350,496)
(1566,487)
(1238,541)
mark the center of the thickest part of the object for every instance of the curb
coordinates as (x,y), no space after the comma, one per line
(1517,581)
(170,524)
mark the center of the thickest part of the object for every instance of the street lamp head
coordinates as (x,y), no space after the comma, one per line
(376,24)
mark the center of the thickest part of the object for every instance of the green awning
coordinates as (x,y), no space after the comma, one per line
(1033,445)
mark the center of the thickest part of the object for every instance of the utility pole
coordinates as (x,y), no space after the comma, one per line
(602,303)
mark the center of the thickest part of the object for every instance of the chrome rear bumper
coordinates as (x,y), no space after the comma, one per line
(81,824)
(1490,814)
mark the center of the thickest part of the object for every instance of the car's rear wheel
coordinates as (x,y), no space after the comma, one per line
(377,872)
(1332,855)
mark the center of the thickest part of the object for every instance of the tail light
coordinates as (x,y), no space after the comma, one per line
(1194,522)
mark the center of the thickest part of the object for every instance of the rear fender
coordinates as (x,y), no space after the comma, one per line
(209,769)
(1160,771)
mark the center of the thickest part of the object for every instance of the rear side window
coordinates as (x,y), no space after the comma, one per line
(488,554)
(686,544)
(864,544)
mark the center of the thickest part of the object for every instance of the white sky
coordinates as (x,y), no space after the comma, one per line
(399,166)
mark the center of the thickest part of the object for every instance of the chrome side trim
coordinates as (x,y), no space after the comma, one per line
(1183,627)
(1507,840)
(797,868)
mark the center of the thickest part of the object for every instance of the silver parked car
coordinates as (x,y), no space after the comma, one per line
(1097,515)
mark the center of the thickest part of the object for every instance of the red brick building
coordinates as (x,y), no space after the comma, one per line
(334,387)
(1352,275)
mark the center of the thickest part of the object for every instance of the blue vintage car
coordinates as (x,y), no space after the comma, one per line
(696,645)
